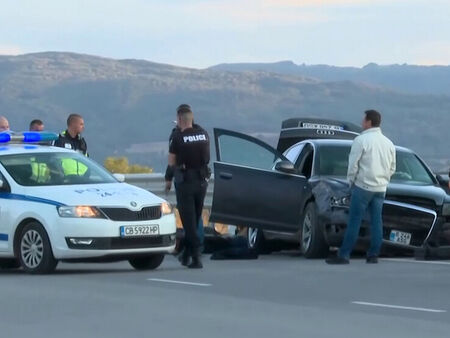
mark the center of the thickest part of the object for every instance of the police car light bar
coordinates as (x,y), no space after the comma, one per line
(27,137)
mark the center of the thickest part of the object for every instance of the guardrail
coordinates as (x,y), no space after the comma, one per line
(155,184)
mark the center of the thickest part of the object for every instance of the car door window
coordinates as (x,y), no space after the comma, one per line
(240,149)
(293,152)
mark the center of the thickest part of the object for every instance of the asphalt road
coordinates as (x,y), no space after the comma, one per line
(281,295)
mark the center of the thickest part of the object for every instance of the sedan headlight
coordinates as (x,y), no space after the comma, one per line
(340,201)
(446,209)
(166,208)
(80,211)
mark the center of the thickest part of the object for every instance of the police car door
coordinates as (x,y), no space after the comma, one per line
(248,191)
(5,221)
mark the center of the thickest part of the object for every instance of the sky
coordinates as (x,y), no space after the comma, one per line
(202,33)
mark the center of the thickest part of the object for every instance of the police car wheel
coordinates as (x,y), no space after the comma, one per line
(312,241)
(35,252)
(147,263)
(9,263)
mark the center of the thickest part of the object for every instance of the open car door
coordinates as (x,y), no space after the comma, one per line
(248,191)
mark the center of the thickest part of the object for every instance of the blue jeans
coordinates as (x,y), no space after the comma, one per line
(361,202)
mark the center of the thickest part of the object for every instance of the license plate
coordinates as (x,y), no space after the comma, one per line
(139,230)
(400,237)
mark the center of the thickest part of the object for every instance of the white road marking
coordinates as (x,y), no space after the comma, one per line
(177,282)
(400,307)
(414,261)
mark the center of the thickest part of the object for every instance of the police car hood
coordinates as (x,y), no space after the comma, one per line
(111,194)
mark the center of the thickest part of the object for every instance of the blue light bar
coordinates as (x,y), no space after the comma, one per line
(5,137)
(28,137)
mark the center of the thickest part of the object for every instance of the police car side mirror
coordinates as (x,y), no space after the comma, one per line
(1,184)
(119,177)
(285,167)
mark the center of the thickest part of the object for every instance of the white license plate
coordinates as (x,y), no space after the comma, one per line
(400,237)
(139,230)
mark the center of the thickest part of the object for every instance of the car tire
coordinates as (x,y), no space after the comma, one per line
(9,263)
(147,262)
(34,250)
(256,241)
(312,241)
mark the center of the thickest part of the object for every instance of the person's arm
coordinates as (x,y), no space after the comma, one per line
(171,161)
(353,161)
(393,162)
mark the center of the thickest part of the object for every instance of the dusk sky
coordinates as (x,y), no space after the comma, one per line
(197,33)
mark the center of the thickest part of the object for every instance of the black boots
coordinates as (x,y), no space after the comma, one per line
(185,257)
(196,259)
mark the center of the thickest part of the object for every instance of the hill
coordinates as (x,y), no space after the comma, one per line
(129,105)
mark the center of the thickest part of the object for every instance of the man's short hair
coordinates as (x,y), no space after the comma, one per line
(73,117)
(374,117)
(184,109)
(36,122)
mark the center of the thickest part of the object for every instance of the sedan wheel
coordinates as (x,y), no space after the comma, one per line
(35,253)
(256,241)
(313,244)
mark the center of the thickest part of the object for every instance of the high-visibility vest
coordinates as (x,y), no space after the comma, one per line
(71,166)
(40,172)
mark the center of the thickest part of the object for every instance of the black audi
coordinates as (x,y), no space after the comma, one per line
(298,192)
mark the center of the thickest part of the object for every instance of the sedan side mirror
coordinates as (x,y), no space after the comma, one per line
(285,167)
(119,177)
(1,184)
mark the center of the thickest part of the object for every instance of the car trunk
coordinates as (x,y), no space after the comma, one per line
(298,129)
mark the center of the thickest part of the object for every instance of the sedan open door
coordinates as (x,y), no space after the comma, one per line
(255,185)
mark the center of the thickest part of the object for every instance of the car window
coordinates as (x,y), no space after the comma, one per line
(38,169)
(292,153)
(333,160)
(410,170)
(241,151)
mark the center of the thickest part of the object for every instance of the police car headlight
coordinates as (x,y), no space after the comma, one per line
(80,211)
(166,208)
(446,209)
(340,201)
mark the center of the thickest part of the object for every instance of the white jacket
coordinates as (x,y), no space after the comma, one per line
(372,161)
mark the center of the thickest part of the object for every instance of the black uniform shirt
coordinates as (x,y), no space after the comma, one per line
(191,147)
(75,143)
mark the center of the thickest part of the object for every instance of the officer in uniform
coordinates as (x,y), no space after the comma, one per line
(71,139)
(188,167)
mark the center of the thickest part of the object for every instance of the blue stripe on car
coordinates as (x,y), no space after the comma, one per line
(28,198)
(4,237)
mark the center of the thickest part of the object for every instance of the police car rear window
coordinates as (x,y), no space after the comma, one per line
(45,169)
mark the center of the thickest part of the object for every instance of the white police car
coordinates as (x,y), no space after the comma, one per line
(58,205)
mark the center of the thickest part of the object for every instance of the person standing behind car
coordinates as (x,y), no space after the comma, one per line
(36,125)
(71,139)
(4,124)
(188,166)
(371,164)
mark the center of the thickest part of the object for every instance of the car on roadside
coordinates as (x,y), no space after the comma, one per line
(50,214)
(298,193)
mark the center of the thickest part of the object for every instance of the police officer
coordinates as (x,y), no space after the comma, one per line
(188,166)
(71,139)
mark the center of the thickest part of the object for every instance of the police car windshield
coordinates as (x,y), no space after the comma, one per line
(333,161)
(46,169)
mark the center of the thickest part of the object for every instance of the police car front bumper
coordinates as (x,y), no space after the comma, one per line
(84,238)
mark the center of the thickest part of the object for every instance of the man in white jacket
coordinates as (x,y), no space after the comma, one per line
(371,165)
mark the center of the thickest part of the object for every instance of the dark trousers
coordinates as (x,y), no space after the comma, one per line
(190,198)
